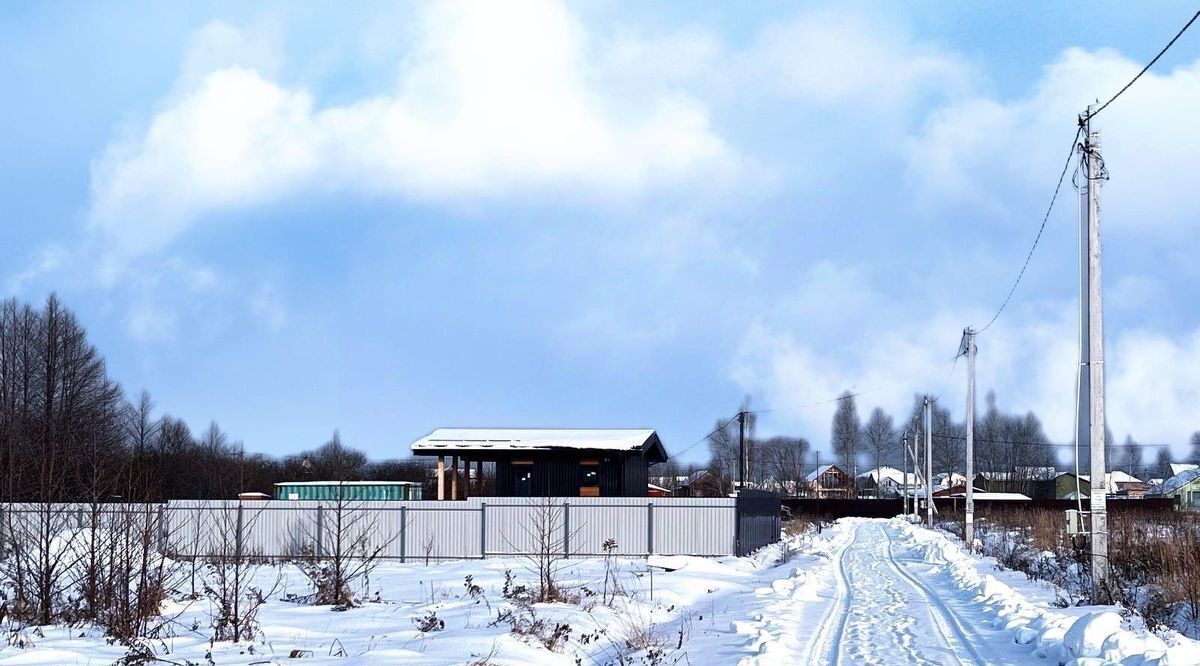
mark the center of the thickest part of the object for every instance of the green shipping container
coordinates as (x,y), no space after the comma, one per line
(350,490)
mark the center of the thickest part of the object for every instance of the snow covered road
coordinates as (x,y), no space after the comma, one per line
(884,614)
(893,593)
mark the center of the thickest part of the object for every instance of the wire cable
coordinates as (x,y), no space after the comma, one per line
(1061,176)
(1093,114)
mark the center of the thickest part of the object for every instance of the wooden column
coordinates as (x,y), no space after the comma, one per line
(454,477)
(479,476)
(441,472)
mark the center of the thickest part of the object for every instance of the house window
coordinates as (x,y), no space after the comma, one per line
(523,478)
(589,478)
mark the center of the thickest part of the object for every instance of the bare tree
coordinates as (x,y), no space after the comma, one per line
(847,433)
(879,436)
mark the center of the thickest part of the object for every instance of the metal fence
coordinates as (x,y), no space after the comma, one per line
(473,528)
(428,530)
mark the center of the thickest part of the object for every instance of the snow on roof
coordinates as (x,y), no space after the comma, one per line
(1178,468)
(1176,482)
(816,473)
(889,473)
(534,439)
(996,497)
(1119,476)
(348,483)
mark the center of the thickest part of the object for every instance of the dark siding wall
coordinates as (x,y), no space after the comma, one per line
(610,477)
(636,476)
(562,477)
(504,478)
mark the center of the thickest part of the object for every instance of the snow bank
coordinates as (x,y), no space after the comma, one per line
(1099,637)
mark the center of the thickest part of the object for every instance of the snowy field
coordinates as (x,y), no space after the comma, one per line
(863,591)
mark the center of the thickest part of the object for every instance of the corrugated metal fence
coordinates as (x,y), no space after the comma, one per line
(477,527)
(431,530)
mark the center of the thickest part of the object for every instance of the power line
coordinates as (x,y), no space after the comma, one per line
(1082,122)
(720,426)
(1145,69)
(1041,229)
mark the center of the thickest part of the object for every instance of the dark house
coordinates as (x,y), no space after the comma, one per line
(549,462)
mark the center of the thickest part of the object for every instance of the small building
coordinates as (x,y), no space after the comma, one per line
(1184,487)
(548,462)
(253,497)
(348,490)
(829,481)
(885,481)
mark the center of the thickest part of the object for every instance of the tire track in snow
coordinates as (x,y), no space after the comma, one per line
(825,649)
(941,613)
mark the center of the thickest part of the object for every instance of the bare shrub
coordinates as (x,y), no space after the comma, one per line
(548,548)
(342,556)
(231,568)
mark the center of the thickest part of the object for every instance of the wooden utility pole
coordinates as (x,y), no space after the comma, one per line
(741,450)
(969,521)
(1092,352)
(928,425)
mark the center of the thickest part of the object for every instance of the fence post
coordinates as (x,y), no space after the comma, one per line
(737,525)
(403,527)
(238,537)
(482,529)
(162,528)
(566,530)
(649,528)
(320,549)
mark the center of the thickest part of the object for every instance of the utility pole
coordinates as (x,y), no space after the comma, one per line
(741,450)
(1092,355)
(928,425)
(904,478)
(969,522)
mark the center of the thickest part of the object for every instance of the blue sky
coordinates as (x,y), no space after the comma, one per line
(391,218)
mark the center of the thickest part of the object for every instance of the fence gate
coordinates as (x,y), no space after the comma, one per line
(758,520)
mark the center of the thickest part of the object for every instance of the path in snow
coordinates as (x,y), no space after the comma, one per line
(884,613)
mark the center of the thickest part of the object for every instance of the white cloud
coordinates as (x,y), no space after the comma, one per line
(845,57)
(268,307)
(495,100)
(1030,361)
(979,149)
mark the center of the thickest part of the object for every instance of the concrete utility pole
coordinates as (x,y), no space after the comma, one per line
(904,478)
(928,425)
(1092,356)
(969,522)
(741,450)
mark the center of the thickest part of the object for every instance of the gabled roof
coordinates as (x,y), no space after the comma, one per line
(1177,468)
(450,440)
(1176,482)
(816,473)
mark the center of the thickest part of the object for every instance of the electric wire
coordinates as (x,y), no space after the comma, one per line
(1041,229)
(1145,69)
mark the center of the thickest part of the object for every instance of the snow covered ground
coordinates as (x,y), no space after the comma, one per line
(863,591)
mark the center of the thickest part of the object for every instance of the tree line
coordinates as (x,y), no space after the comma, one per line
(1008,444)
(69,432)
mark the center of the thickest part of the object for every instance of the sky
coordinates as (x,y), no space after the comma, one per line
(387,218)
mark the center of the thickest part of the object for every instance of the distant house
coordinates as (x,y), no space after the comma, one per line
(1035,482)
(1184,487)
(657,491)
(348,490)
(1180,468)
(960,492)
(549,462)
(1118,482)
(829,481)
(885,481)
